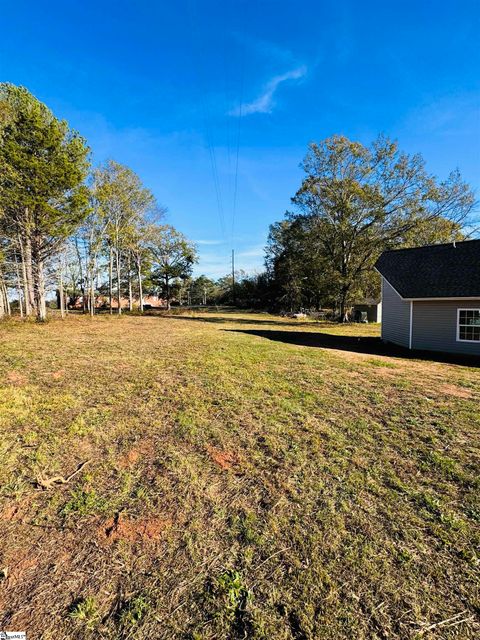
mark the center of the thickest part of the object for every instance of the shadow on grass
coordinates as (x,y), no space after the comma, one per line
(225,319)
(363,344)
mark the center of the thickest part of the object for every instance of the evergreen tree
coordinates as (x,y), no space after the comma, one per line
(43,196)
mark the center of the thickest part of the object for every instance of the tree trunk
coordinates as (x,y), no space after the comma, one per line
(2,306)
(28,307)
(140,285)
(92,286)
(38,280)
(39,291)
(343,306)
(74,293)
(167,292)
(119,289)
(9,308)
(61,294)
(110,280)
(30,289)
(19,286)
(82,281)
(5,301)
(92,299)
(130,292)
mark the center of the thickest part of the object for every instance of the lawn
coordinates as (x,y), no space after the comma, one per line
(245,476)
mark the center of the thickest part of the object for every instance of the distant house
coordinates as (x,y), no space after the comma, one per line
(103,302)
(152,302)
(367,310)
(431,297)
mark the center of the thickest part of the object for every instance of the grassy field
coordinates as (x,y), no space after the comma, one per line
(246,476)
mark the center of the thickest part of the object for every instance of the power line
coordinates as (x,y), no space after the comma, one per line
(240,116)
(209,137)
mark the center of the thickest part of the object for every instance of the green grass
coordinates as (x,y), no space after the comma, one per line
(243,482)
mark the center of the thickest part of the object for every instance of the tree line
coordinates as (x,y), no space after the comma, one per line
(98,234)
(86,233)
(355,202)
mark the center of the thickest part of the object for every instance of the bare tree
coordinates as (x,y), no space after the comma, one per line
(123,202)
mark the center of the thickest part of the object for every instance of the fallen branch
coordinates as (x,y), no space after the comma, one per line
(48,483)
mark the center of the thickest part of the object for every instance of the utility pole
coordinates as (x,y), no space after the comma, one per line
(233,276)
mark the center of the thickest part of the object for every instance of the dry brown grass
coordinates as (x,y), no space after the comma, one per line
(239,486)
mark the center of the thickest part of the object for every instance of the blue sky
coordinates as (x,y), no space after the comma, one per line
(170,88)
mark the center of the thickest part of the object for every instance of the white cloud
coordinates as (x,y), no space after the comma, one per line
(264,103)
(254,252)
(209,242)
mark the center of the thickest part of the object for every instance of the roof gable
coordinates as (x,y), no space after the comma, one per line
(435,271)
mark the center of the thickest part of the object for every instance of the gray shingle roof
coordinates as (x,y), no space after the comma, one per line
(434,271)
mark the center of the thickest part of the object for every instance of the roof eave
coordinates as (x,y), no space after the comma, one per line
(432,298)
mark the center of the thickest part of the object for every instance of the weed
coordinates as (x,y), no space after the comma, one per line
(245,525)
(141,493)
(429,503)
(235,594)
(85,612)
(83,502)
(404,556)
(443,463)
(134,611)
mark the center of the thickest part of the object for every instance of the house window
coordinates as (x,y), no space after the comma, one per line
(468,325)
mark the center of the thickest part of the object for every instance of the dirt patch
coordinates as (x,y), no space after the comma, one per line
(133,530)
(142,451)
(129,459)
(454,390)
(15,511)
(224,459)
(58,375)
(17,379)
(18,571)
(10,512)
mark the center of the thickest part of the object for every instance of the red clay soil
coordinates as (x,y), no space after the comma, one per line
(58,375)
(133,455)
(224,459)
(133,530)
(15,378)
(16,511)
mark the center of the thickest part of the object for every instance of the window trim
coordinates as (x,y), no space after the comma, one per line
(463,325)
